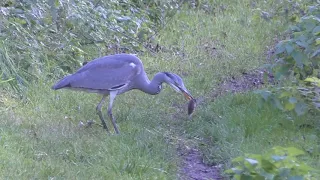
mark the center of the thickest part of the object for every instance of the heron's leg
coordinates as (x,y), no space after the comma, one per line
(113,94)
(100,114)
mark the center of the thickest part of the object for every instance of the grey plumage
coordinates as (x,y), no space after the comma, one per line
(116,74)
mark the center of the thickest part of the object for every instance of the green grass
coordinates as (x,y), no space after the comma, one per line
(40,137)
(237,124)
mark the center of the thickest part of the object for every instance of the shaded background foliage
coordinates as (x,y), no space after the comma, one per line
(296,64)
(56,36)
(47,39)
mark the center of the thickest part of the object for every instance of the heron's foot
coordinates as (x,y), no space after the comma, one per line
(88,124)
(104,125)
(113,120)
(115,126)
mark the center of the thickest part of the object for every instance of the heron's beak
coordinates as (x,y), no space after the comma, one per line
(187,95)
(184,91)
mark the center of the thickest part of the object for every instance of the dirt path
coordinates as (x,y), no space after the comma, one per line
(193,168)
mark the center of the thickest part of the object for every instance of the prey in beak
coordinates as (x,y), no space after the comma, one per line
(187,95)
(177,84)
(192,102)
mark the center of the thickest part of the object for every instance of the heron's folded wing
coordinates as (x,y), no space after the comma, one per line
(104,76)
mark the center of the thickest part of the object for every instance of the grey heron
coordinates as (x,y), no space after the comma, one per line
(116,74)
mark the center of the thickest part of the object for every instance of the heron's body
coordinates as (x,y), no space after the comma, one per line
(116,74)
(109,73)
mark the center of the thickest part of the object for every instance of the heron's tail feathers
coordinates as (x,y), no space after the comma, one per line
(63,83)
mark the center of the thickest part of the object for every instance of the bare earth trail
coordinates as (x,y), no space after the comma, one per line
(193,168)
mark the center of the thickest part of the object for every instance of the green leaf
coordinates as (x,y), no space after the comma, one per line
(284,172)
(295,28)
(292,151)
(267,166)
(316,30)
(57,3)
(267,175)
(296,178)
(280,48)
(259,177)
(301,108)
(251,161)
(255,156)
(285,94)
(316,53)
(276,102)
(317,41)
(245,177)
(237,170)
(264,93)
(229,171)
(305,168)
(309,24)
(283,71)
(278,150)
(289,48)
(302,44)
(295,18)
(297,34)
(314,80)
(278,158)
(299,58)
(238,159)
(289,106)
(293,100)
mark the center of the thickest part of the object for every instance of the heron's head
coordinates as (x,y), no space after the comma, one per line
(177,84)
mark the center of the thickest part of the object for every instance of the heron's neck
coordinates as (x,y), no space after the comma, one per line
(151,87)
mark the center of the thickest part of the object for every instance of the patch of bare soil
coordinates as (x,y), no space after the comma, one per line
(248,81)
(192,166)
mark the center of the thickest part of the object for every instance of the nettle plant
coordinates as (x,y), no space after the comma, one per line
(297,67)
(278,163)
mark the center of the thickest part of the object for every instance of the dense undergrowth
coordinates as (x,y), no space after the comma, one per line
(205,42)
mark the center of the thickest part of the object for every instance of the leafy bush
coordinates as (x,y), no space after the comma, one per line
(278,163)
(297,60)
(300,53)
(292,10)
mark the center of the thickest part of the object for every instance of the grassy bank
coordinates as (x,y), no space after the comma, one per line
(41,139)
(43,135)
(237,124)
